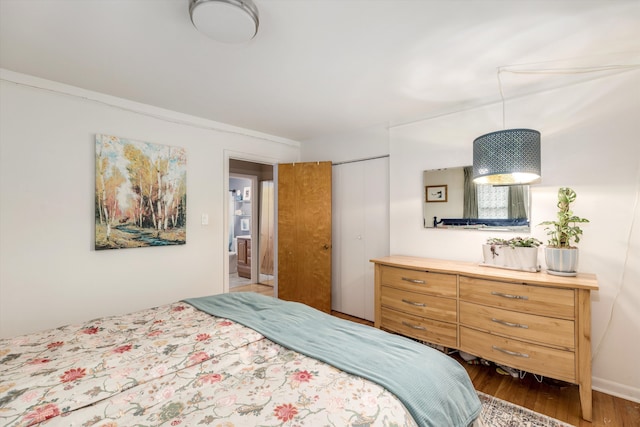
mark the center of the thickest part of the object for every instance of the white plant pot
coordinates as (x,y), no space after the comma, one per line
(561,262)
(504,256)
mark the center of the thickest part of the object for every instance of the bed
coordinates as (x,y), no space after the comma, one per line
(237,359)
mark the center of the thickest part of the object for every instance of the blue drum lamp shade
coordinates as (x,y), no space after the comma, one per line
(507,157)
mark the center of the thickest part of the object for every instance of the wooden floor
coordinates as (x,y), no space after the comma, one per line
(259,289)
(556,399)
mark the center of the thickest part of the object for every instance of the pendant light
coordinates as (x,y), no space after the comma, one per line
(228,21)
(506,157)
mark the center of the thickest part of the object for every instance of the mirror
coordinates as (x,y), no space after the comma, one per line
(452,200)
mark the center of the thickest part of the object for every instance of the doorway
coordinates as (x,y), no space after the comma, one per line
(239,230)
(251,222)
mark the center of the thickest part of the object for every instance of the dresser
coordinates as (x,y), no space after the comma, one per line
(244,256)
(535,322)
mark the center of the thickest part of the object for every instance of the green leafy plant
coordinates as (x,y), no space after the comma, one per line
(564,230)
(516,242)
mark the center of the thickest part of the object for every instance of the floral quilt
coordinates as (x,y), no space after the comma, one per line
(175,365)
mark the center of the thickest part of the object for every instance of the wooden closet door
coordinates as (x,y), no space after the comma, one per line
(304,233)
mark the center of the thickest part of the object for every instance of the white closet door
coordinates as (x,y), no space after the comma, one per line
(361,232)
(376,224)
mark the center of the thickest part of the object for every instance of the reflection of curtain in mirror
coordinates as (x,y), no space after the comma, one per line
(470,207)
(517,201)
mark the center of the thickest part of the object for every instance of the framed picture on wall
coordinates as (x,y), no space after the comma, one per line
(244,224)
(436,193)
(246,193)
(134,209)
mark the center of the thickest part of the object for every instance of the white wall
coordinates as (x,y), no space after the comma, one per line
(364,143)
(589,143)
(50,274)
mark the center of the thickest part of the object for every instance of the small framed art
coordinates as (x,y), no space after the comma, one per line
(436,193)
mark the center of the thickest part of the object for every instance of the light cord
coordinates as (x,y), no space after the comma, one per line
(575,70)
(504,126)
(624,269)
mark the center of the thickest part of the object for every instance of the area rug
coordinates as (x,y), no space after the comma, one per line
(499,413)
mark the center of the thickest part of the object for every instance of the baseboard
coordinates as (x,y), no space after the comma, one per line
(616,389)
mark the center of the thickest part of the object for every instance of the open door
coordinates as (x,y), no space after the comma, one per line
(304,233)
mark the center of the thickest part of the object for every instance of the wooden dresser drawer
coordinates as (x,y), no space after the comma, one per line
(528,327)
(541,300)
(528,357)
(420,281)
(419,304)
(420,328)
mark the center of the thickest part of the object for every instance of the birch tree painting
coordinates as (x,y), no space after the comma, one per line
(141,194)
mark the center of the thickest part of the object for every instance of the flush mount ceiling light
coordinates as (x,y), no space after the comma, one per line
(229,21)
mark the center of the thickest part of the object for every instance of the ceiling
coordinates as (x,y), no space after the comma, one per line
(318,67)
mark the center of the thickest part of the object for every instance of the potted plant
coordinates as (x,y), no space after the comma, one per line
(560,254)
(516,254)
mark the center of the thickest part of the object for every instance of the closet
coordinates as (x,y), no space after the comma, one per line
(360,232)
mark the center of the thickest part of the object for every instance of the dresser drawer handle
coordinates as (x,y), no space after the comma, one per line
(422,328)
(500,294)
(505,323)
(417,304)
(420,282)
(510,353)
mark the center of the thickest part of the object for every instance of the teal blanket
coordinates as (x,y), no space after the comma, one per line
(434,388)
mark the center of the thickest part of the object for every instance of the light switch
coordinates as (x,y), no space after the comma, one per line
(205,219)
